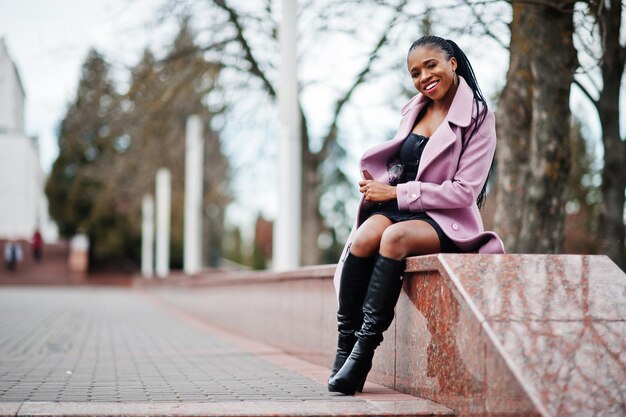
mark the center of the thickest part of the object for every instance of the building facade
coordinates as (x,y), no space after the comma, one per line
(23,204)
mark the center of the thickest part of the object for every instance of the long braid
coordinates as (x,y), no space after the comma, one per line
(465,70)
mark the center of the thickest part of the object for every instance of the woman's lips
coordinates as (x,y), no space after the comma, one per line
(431,86)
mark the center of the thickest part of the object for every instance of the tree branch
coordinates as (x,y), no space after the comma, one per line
(186,52)
(485,27)
(248,56)
(331,134)
(586,92)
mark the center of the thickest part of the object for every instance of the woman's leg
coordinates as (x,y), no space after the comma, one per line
(367,239)
(397,241)
(410,238)
(355,277)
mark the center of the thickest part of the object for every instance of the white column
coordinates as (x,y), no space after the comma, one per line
(163,209)
(147,236)
(194,161)
(287,225)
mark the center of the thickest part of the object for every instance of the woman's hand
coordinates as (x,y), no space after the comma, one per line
(377,191)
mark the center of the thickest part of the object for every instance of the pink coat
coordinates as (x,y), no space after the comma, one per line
(451,174)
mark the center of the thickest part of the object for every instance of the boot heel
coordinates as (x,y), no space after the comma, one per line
(361,385)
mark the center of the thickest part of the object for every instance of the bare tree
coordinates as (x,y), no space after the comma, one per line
(597,31)
(162,94)
(245,40)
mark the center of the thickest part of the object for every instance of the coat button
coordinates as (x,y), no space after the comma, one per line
(413,195)
(455,226)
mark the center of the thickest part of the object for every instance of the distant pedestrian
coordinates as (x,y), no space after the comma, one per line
(37,244)
(12,254)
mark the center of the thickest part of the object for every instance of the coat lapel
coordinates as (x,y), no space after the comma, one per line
(460,114)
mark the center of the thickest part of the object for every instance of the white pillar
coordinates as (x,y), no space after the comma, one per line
(147,236)
(287,225)
(163,209)
(194,161)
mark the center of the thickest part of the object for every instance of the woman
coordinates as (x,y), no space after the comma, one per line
(420,194)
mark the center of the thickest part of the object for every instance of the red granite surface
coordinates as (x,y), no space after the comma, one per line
(528,334)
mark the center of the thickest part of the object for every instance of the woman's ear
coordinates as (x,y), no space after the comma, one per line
(453,63)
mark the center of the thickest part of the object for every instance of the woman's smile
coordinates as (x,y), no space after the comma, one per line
(431,86)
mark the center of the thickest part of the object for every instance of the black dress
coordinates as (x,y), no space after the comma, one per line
(409,158)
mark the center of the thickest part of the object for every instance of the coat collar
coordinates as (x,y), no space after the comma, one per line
(459,114)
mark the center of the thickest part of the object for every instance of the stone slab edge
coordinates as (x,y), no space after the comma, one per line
(238,409)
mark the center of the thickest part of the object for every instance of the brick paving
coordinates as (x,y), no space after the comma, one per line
(67,345)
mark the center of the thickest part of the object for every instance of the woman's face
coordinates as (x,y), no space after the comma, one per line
(431,71)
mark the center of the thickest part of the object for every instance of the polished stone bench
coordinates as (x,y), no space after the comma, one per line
(490,335)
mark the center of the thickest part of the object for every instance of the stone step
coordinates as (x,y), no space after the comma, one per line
(225,409)
(52,269)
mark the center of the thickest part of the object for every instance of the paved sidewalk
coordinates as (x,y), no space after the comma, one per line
(99,351)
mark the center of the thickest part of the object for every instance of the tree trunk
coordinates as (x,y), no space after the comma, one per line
(533,128)
(612,231)
(552,67)
(312,222)
(513,122)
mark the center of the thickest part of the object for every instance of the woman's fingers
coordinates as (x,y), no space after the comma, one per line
(376,191)
(364,185)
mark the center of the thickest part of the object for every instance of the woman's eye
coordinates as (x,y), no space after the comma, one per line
(433,65)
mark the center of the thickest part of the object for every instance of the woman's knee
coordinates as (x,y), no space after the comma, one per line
(402,240)
(393,243)
(366,242)
(364,245)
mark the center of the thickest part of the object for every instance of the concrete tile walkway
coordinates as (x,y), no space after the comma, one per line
(106,351)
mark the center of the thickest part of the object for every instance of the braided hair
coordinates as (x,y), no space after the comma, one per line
(465,70)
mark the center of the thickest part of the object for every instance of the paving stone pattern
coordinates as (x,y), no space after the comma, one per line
(112,345)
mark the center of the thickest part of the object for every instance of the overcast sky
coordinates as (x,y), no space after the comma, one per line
(48,41)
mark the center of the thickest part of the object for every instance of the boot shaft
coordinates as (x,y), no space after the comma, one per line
(355,278)
(382,295)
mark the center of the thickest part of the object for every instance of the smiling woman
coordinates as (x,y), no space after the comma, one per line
(420,194)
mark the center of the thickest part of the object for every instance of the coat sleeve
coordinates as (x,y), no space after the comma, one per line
(463,189)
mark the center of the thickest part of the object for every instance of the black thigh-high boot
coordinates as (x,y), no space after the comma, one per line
(355,277)
(378,310)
